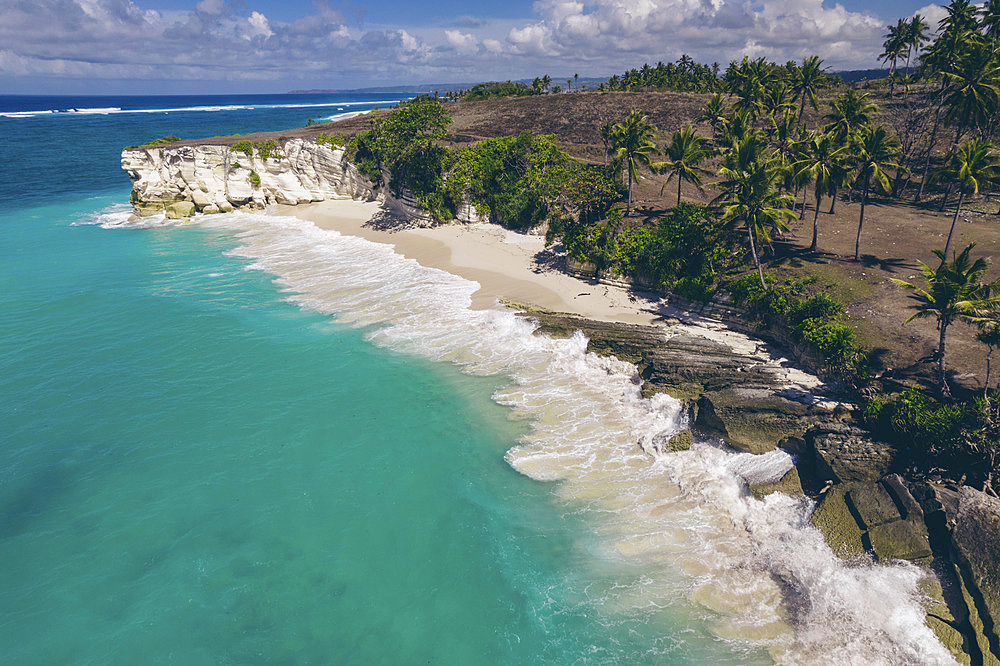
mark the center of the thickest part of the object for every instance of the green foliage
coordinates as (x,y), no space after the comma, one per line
(495,90)
(812,319)
(254,178)
(685,75)
(236,165)
(243,146)
(268,149)
(162,141)
(918,422)
(333,140)
(402,144)
(521,181)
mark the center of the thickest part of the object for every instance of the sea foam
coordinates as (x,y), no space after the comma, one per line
(762,573)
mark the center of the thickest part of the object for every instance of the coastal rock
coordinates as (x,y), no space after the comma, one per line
(975,538)
(179,210)
(681,441)
(840,452)
(788,484)
(879,518)
(731,395)
(301,172)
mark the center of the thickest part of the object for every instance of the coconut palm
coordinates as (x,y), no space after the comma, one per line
(684,153)
(822,159)
(972,165)
(916,36)
(989,335)
(807,80)
(955,292)
(715,113)
(749,198)
(893,48)
(848,112)
(874,149)
(973,89)
(634,147)
(990,20)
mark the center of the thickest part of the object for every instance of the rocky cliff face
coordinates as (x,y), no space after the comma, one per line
(185,179)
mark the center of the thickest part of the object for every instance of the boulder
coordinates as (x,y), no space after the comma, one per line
(681,441)
(211,209)
(834,519)
(788,484)
(975,538)
(881,518)
(180,210)
(840,452)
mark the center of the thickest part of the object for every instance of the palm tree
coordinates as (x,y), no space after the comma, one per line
(955,292)
(715,112)
(633,141)
(848,112)
(823,161)
(749,197)
(989,335)
(990,22)
(809,79)
(893,48)
(607,136)
(685,152)
(973,89)
(916,35)
(973,164)
(875,149)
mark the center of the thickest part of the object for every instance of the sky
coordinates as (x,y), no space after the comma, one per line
(256,46)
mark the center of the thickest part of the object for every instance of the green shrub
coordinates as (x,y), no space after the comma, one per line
(332,140)
(254,178)
(163,140)
(820,307)
(243,146)
(268,149)
(236,165)
(916,421)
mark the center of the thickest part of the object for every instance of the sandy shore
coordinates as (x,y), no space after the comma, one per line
(511,266)
(507,265)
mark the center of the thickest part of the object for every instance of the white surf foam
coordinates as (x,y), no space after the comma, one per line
(104,111)
(763,575)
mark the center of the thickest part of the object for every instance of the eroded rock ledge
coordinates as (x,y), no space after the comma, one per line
(181,180)
(865,508)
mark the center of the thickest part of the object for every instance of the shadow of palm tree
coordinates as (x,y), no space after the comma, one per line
(890,265)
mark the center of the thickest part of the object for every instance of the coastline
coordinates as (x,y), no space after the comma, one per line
(508,266)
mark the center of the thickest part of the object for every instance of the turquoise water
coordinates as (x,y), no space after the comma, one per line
(248,441)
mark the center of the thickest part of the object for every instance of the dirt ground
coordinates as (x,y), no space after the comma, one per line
(895,235)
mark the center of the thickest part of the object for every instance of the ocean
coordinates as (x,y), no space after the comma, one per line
(246,440)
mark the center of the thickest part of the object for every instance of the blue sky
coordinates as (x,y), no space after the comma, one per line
(176,46)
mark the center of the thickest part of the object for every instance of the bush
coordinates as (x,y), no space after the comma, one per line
(268,149)
(163,140)
(332,140)
(254,178)
(244,147)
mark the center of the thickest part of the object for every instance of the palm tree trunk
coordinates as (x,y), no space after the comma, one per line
(756,259)
(944,202)
(986,384)
(833,200)
(812,248)
(628,168)
(941,373)
(861,221)
(802,106)
(678,190)
(930,147)
(802,210)
(954,221)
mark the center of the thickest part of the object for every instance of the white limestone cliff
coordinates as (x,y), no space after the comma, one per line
(213,178)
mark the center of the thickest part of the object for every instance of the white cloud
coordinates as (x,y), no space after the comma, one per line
(259,26)
(225,40)
(932,15)
(213,7)
(463,42)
